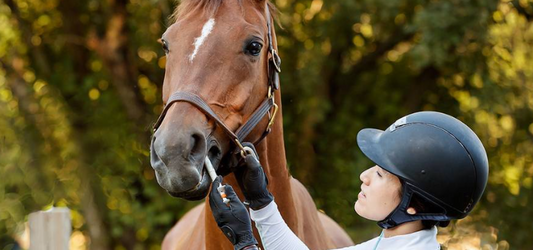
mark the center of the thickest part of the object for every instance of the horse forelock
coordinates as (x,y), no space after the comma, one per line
(210,7)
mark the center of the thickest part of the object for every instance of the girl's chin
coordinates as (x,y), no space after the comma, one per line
(357,208)
(369,215)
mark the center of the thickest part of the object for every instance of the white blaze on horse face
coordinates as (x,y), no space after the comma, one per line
(206,30)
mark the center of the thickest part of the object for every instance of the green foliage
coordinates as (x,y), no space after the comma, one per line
(67,140)
(80,83)
(375,61)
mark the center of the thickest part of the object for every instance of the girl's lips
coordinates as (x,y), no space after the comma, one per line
(361,195)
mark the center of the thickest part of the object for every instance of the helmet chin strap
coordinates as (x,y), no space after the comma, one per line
(399,215)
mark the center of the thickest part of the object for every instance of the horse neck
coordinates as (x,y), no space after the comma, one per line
(271,153)
(272,156)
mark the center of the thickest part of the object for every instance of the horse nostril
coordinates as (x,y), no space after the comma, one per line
(197,147)
(214,152)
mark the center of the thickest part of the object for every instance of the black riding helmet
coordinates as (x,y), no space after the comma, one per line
(437,158)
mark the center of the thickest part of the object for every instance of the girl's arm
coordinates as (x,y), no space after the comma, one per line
(274,232)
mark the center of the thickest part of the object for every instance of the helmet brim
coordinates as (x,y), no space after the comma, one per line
(370,143)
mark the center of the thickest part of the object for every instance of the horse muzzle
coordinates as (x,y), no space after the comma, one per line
(178,161)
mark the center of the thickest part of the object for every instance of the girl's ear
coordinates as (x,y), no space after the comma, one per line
(411,211)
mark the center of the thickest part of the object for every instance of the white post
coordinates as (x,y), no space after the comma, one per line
(50,230)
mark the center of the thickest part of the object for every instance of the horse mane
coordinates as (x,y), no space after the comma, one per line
(209,8)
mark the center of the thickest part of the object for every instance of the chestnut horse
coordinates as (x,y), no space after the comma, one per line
(220,51)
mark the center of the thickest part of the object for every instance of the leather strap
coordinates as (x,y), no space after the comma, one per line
(254,119)
(199,103)
(274,62)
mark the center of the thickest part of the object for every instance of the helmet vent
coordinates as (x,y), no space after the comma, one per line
(468,206)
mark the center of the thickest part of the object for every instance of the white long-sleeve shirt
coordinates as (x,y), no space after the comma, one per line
(276,235)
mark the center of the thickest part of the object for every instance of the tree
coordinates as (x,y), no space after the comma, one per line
(80,84)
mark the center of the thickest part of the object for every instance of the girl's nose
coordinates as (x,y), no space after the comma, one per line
(364,177)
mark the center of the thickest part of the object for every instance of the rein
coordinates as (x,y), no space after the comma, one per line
(268,106)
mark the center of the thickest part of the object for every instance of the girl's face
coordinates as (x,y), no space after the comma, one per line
(380,194)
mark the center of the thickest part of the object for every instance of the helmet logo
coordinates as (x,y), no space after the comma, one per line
(398,123)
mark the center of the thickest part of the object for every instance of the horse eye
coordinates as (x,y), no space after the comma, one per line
(254,48)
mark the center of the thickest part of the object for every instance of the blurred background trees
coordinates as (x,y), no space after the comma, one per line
(80,86)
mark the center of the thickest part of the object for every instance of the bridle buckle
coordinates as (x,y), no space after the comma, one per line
(272,118)
(276,60)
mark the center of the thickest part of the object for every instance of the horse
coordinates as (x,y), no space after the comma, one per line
(220,80)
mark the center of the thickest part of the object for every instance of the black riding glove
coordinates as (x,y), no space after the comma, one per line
(253,181)
(233,220)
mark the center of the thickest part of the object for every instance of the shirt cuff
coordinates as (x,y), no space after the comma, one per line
(264,213)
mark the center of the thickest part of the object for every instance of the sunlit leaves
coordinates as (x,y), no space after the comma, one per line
(148,89)
(467,58)
(94,94)
(61,125)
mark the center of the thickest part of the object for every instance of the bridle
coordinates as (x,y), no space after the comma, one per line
(267,107)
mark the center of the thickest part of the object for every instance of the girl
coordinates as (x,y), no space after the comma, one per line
(430,168)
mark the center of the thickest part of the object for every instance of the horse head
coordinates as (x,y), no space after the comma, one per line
(218,74)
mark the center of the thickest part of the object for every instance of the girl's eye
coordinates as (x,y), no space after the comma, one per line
(254,48)
(165,46)
(377,172)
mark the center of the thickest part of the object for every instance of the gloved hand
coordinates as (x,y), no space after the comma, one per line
(253,181)
(233,220)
